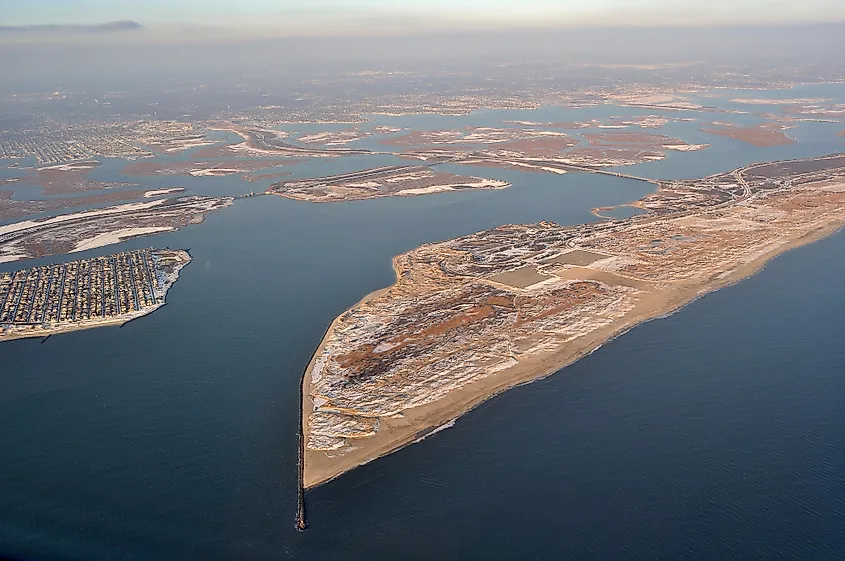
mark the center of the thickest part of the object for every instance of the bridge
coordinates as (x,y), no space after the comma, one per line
(585,169)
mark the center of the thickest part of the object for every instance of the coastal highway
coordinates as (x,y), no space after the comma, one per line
(606,172)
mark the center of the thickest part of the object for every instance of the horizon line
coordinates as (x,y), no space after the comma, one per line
(193,32)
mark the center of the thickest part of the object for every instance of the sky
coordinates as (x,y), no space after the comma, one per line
(368,16)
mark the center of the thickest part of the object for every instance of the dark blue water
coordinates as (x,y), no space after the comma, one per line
(715,433)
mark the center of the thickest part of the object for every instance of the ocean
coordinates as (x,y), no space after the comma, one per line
(717,432)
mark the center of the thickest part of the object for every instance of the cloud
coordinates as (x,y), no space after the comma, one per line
(70,29)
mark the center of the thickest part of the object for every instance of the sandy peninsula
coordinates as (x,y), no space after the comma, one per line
(472,317)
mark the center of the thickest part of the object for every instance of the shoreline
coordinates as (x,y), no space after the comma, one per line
(305,382)
(119,322)
(395,434)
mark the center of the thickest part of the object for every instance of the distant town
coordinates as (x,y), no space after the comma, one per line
(55,142)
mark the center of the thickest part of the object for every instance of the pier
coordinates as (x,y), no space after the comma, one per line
(301,523)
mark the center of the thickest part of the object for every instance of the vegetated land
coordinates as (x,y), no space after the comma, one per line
(211,168)
(471,317)
(521,149)
(89,293)
(94,228)
(537,150)
(11,208)
(263,142)
(766,134)
(334,138)
(380,182)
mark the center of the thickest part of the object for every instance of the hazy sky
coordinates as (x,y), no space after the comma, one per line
(308,15)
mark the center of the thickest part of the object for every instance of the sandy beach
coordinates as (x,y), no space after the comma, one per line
(117,236)
(77,326)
